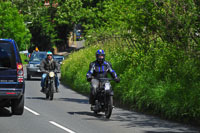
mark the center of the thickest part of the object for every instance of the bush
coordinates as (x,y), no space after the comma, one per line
(164,80)
(24,57)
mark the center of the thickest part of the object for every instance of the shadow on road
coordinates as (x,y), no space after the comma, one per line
(38,98)
(5,112)
(82,101)
(133,119)
(84,113)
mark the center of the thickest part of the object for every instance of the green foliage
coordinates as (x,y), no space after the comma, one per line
(159,68)
(24,57)
(69,12)
(12,25)
(39,20)
(164,81)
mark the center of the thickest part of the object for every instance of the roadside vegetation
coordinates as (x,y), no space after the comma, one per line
(24,57)
(154,48)
(163,81)
(12,25)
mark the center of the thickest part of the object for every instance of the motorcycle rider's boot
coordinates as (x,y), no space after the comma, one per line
(42,90)
(94,107)
(57,90)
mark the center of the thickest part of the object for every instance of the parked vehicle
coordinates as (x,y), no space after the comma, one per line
(58,58)
(79,35)
(50,85)
(104,98)
(12,84)
(34,63)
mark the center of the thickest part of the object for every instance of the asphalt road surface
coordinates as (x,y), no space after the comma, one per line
(69,112)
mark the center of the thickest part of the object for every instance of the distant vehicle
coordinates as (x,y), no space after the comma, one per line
(34,64)
(78,35)
(12,84)
(78,31)
(58,58)
(23,52)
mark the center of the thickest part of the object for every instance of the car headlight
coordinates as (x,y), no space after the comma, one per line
(51,74)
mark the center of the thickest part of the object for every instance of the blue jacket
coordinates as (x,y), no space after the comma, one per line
(100,71)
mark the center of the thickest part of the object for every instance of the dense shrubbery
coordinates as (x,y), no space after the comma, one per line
(159,66)
(164,80)
(23,58)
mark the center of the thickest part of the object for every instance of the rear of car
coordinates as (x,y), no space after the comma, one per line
(58,58)
(34,64)
(12,85)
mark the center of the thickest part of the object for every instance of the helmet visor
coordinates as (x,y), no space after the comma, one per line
(101,57)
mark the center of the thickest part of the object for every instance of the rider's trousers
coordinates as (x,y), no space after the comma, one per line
(44,75)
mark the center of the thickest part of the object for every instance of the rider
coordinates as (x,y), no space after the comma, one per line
(99,69)
(46,65)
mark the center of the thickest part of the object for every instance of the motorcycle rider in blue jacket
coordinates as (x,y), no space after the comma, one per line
(99,69)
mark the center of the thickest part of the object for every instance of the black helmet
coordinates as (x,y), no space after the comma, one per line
(99,53)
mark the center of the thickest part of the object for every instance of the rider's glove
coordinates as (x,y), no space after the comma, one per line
(45,71)
(89,79)
(117,79)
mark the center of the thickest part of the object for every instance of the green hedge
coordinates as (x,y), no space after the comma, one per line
(164,81)
(24,57)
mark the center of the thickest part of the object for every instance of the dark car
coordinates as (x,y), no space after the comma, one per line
(34,64)
(12,84)
(58,58)
(78,35)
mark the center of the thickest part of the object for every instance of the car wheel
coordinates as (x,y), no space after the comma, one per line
(17,106)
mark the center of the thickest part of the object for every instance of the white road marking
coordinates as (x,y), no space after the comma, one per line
(35,113)
(64,128)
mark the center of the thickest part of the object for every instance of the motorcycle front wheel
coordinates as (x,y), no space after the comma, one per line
(51,92)
(108,111)
(47,95)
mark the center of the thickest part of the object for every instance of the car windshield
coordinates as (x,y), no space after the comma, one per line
(37,56)
(6,55)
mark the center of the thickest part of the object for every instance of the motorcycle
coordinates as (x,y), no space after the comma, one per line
(104,98)
(50,85)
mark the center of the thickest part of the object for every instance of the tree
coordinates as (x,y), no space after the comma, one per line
(13,26)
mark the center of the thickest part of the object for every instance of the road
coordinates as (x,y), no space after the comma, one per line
(70,112)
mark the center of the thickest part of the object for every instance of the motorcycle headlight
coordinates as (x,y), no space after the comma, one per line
(107,86)
(51,74)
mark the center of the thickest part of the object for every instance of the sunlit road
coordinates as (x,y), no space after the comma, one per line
(70,112)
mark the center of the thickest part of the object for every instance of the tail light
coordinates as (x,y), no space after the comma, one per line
(20,72)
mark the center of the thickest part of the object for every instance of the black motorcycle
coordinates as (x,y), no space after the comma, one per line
(104,98)
(50,85)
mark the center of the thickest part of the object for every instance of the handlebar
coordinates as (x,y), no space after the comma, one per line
(103,79)
(50,71)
